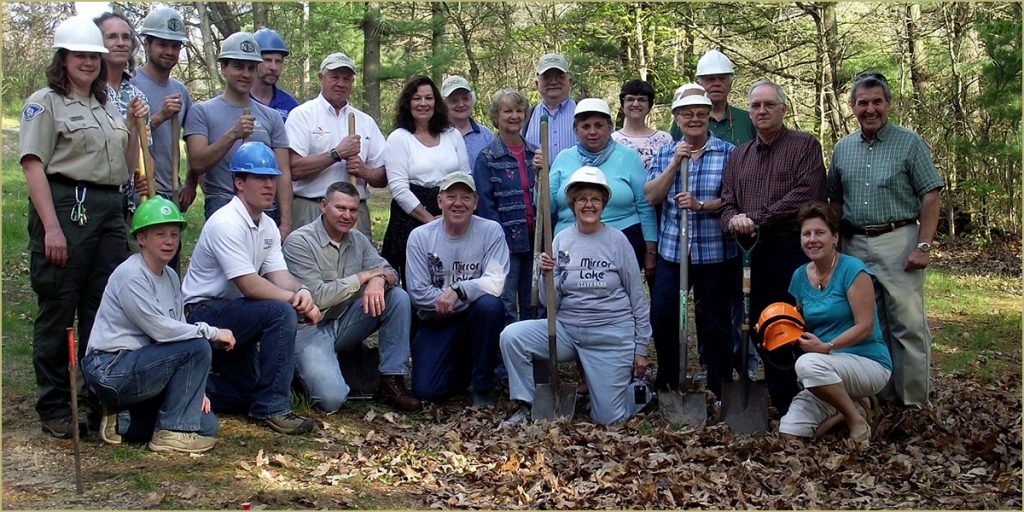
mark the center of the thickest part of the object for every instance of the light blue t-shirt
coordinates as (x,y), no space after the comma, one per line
(214,117)
(626,176)
(827,312)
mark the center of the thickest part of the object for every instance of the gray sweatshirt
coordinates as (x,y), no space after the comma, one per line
(139,308)
(477,260)
(597,282)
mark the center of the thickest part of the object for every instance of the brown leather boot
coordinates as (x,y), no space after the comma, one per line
(393,392)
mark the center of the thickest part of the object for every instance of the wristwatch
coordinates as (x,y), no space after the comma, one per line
(924,247)
(334,155)
(701,205)
(458,291)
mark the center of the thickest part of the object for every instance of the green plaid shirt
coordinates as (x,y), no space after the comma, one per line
(881,180)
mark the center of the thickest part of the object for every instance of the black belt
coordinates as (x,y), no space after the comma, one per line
(317,200)
(878,229)
(68,182)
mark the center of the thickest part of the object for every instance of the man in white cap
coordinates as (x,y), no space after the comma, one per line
(456,267)
(553,84)
(322,151)
(217,127)
(729,123)
(460,98)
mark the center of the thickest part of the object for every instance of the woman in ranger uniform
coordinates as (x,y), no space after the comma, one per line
(74,149)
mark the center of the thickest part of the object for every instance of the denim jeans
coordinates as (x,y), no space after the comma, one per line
(518,286)
(606,353)
(256,375)
(452,352)
(175,371)
(316,347)
(715,292)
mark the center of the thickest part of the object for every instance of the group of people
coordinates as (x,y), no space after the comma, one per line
(284,276)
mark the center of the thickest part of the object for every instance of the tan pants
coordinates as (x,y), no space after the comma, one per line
(899,297)
(305,211)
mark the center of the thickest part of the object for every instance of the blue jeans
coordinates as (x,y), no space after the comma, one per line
(175,372)
(316,347)
(715,292)
(452,352)
(518,286)
(256,375)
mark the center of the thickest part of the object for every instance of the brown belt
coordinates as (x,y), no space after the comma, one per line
(880,229)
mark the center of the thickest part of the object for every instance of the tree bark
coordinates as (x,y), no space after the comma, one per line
(209,44)
(915,57)
(436,40)
(259,15)
(371,59)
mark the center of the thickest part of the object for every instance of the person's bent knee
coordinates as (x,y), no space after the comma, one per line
(788,426)
(811,365)
(200,349)
(281,312)
(489,305)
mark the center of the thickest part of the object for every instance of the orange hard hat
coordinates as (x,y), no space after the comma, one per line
(780,324)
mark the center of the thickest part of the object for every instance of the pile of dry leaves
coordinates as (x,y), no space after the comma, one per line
(964,453)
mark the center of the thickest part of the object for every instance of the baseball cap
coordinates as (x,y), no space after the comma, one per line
(552,60)
(337,60)
(454,83)
(457,177)
(598,105)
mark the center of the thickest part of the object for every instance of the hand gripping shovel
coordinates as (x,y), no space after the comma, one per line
(745,403)
(680,407)
(553,400)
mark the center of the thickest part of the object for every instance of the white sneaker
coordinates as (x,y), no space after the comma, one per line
(522,415)
(108,426)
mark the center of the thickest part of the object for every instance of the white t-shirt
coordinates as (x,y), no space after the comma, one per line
(231,245)
(314,129)
(409,161)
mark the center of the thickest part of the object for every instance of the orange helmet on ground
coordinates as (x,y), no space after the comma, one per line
(780,324)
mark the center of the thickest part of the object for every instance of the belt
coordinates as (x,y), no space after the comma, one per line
(68,182)
(317,200)
(879,229)
(779,230)
(188,308)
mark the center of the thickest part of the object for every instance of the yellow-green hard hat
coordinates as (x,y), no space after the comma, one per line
(156,210)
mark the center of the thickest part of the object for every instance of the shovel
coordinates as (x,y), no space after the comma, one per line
(680,407)
(175,157)
(744,402)
(553,400)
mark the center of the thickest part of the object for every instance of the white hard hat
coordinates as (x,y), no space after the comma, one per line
(714,62)
(590,176)
(79,34)
(593,105)
(690,94)
(164,23)
(240,46)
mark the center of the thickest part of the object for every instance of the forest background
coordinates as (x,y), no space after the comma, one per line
(955,68)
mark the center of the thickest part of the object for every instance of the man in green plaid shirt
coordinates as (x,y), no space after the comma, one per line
(884,184)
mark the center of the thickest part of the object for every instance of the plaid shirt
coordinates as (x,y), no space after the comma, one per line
(770,182)
(707,243)
(882,180)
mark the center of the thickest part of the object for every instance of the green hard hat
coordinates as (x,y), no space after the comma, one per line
(156,210)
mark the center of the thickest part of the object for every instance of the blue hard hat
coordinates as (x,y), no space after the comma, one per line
(270,41)
(254,158)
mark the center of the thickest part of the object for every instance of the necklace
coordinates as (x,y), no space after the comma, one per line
(821,279)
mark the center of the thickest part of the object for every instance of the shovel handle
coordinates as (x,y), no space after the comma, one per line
(544,217)
(147,157)
(175,157)
(73,374)
(684,268)
(351,131)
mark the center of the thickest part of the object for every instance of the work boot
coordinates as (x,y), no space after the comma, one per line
(392,391)
(288,423)
(520,416)
(481,399)
(108,426)
(61,427)
(184,442)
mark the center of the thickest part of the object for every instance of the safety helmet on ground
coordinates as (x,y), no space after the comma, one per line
(270,41)
(164,23)
(690,94)
(79,34)
(254,158)
(714,62)
(587,176)
(156,210)
(780,324)
(240,46)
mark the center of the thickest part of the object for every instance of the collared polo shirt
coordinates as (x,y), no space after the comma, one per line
(561,135)
(281,101)
(314,128)
(882,180)
(231,245)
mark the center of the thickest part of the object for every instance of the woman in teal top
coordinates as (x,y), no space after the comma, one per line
(845,357)
(628,210)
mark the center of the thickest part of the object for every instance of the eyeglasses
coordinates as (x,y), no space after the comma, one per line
(687,116)
(769,105)
(582,201)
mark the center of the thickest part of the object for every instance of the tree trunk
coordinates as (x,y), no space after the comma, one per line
(259,15)
(209,45)
(915,56)
(306,62)
(371,60)
(464,34)
(436,40)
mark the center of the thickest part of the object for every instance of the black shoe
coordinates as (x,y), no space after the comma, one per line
(61,427)
(288,423)
(483,399)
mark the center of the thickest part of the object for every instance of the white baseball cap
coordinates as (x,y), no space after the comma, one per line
(453,178)
(552,60)
(337,60)
(593,105)
(454,83)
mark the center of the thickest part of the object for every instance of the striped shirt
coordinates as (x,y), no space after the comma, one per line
(561,134)
(707,243)
(770,181)
(882,180)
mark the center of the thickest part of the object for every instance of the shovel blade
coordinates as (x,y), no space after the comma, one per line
(745,406)
(551,403)
(689,409)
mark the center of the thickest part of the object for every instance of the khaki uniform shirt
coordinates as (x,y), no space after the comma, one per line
(75,137)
